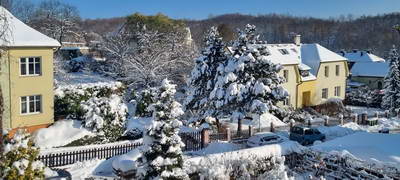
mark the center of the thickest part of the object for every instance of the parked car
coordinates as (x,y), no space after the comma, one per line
(384,130)
(306,135)
(263,139)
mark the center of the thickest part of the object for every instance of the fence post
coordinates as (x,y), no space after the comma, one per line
(364,118)
(205,138)
(326,120)
(341,119)
(309,122)
(387,114)
(377,114)
(272,127)
(228,135)
(250,131)
(291,123)
(355,116)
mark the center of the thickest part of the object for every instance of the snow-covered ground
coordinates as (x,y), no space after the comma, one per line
(373,147)
(84,77)
(363,109)
(60,133)
(263,122)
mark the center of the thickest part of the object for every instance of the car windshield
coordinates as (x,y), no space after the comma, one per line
(308,132)
(269,138)
(316,131)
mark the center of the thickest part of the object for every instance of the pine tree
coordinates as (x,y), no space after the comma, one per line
(202,77)
(18,161)
(162,154)
(391,99)
(247,83)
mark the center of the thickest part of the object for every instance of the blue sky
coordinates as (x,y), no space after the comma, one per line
(201,9)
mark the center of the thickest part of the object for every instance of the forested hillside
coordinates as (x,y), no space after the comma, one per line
(368,32)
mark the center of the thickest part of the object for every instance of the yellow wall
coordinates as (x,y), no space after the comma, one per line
(304,87)
(331,81)
(291,83)
(35,85)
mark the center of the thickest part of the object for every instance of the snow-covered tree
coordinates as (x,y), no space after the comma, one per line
(18,160)
(57,20)
(391,99)
(248,82)
(106,116)
(202,82)
(162,150)
(145,57)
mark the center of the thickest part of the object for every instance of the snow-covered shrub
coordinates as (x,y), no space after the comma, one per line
(161,154)
(68,99)
(106,116)
(134,133)
(143,101)
(364,96)
(332,107)
(18,160)
(251,167)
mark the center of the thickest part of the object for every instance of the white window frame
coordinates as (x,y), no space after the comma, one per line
(286,75)
(327,93)
(35,100)
(26,59)
(337,91)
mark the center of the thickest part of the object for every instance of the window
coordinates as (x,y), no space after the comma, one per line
(283,51)
(326,71)
(325,93)
(286,75)
(31,104)
(337,70)
(294,50)
(30,66)
(286,102)
(337,91)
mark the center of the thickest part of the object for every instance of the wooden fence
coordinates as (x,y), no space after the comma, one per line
(192,140)
(66,158)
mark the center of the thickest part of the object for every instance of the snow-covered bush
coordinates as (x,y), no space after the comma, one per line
(106,116)
(68,99)
(18,160)
(251,167)
(364,96)
(332,107)
(202,79)
(143,101)
(161,154)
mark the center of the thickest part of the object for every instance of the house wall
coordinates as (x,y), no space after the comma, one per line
(5,89)
(31,85)
(371,82)
(291,83)
(304,87)
(331,81)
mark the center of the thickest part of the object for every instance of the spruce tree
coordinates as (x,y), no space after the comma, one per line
(391,99)
(162,151)
(248,82)
(202,80)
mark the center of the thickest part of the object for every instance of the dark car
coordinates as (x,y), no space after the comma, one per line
(306,135)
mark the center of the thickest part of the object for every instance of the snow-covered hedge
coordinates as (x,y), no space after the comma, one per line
(68,98)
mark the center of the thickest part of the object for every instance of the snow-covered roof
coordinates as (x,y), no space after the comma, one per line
(314,54)
(362,56)
(304,67)
(21,35)
(373,69)
(284,54)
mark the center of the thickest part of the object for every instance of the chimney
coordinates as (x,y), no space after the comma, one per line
(297,39)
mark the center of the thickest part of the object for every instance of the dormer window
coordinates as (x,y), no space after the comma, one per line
(294,50)
(283,51)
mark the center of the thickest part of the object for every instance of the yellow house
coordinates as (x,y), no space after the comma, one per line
(313,73)
(26,76)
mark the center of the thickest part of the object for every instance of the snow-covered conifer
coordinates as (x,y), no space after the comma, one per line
(391,99)
(162,154)
(18,160)
(248,82)
(201,82)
